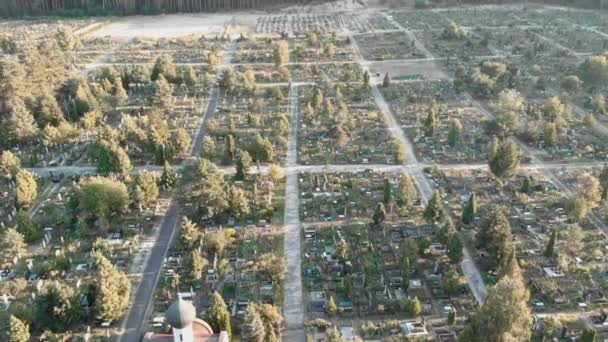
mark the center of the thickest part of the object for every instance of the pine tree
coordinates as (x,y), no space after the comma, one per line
(10,164)
(168,177)
(333,335)
(253,328)
(454,132)
(188,233)
(230,148)
(112,290)
(588,335)
(243,165)
(379,214)
(386,81)
(432,212)
(551,244)
(446,232)
(18,330)
(452,317)
(470,210)
(196,264)
(455,249)
(218,316)
(431,121)
(506,160)
(366,79)
(407,189)
(388,194)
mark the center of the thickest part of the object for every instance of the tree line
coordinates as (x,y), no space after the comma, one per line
(21,8)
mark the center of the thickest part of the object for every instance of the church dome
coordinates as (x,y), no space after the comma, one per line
(180,314)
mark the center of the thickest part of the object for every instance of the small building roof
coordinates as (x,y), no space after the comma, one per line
(180,314)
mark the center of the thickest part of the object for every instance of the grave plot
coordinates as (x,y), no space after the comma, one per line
(237,253)
(342,125)
(39,29)
(317,47)
(256,120)
(576,38)
(537,76)
(575,179)
(354,267)
(418,20)
(482,17)
(342,72)
(515,41)
(535,210)
(93,48)
(454,42)
(266,73)
(387,46)
(444,126)
(566,17)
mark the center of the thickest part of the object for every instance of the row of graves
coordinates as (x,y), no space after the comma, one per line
(253,118)
(189,49)
(345,127)
(351,21)
(569,279)
(359,266)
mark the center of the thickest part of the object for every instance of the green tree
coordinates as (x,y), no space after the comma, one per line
(386,82)
(26,227)
(550,250)
(203,189)
(253,327)
(168,178)
(57,307)
(112,290)
(162,94)
(26,189)
(470,210)
(120,94)
(594,71)
(379,214)
(450,282)
(110,158)
(496,238)
(196,264)
(452,317)
(342,250)
(388,193)
(163,66)
(237,202)
(182,142)
(446,232)
(431,121)
(249,81)
(588,335)
(407,190)
(218,316)
(48,111)
(273,266)
(509,106)
(272,322)
(261,149)
(230,148)
(454,133)
(146,181)
(101,198)
(188,234)
(455,249)
(208,148)
(366,79)
(433,211)
(18,330)
(506,160)
(333,335)
(243,165)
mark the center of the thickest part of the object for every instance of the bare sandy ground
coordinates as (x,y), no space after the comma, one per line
(176,25)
